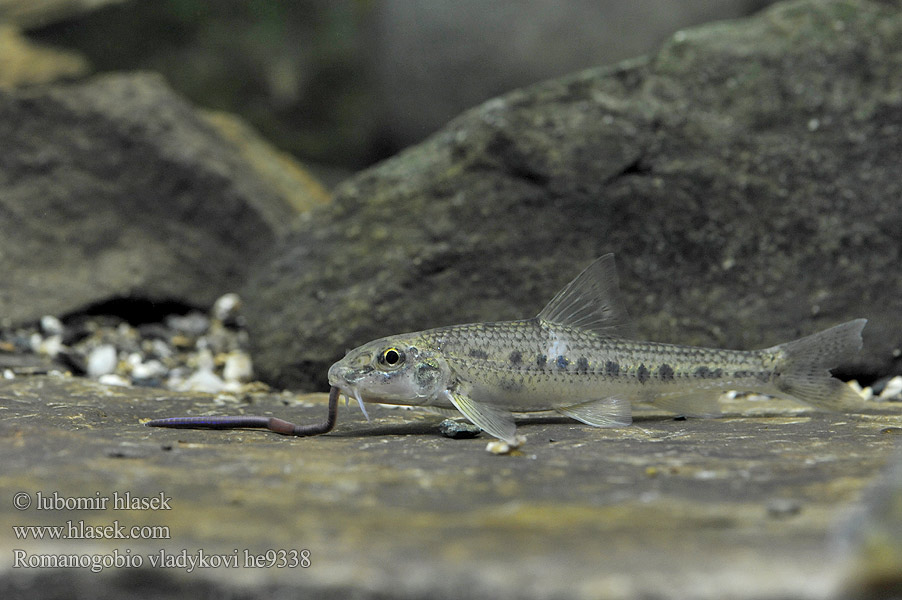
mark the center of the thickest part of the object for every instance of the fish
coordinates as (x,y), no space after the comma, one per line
(580,357)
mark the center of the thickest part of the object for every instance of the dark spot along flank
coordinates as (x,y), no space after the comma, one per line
(540,360)
(665,372)
(612,368)
(642,374)
(480,354)
(516,358)
(582,365)
(704,372)
(562,362)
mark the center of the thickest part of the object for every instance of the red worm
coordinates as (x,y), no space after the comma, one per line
(271,423)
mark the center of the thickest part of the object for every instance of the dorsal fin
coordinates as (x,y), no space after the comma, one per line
(592,302)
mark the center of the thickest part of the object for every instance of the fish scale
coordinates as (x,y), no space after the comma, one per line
(506,360)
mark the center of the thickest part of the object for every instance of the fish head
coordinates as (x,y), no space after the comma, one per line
(392,370)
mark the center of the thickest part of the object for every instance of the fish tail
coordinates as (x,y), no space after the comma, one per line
(803,370)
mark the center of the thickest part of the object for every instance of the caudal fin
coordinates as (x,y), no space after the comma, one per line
(806,363)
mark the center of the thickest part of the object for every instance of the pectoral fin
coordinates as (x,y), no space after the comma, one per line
(607,412)
(493,420)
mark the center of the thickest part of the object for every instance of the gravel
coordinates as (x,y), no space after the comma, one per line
(187,351)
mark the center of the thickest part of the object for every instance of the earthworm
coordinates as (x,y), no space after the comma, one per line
(271,423)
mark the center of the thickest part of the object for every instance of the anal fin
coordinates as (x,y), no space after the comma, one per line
(690,403)
(607,412)
(491,419)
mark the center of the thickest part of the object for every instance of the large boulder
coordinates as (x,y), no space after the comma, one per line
(118,188)
(26,63)
(746,176)
(437,58)
(346,82)
(28,13)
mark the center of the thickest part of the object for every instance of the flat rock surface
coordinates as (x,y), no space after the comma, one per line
(744,506)
(746,176)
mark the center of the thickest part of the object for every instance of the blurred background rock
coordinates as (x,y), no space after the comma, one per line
(339,83)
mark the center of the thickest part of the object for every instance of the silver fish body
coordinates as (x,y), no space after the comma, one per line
(577,357)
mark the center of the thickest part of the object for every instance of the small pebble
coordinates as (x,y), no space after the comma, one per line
(203,381)
(181,341)
(51,325)
(113,379)
(151,369)
(160,349)
(204,360)
(238,367)
(865,393)
(194,323)
(102,361)
(893,389)
(457,430)
(233,387)
(226,307)
(52,346)
(502,447)
(126,331)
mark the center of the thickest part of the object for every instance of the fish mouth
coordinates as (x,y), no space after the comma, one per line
(343,378)
(337,376)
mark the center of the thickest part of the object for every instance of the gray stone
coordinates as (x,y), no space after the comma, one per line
(102,360)
(746,176)
(436,58)
(117,188)
(392,509)
(27,13)
(458,430)
(26,63)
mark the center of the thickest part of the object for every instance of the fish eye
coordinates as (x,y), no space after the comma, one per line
(391,357)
